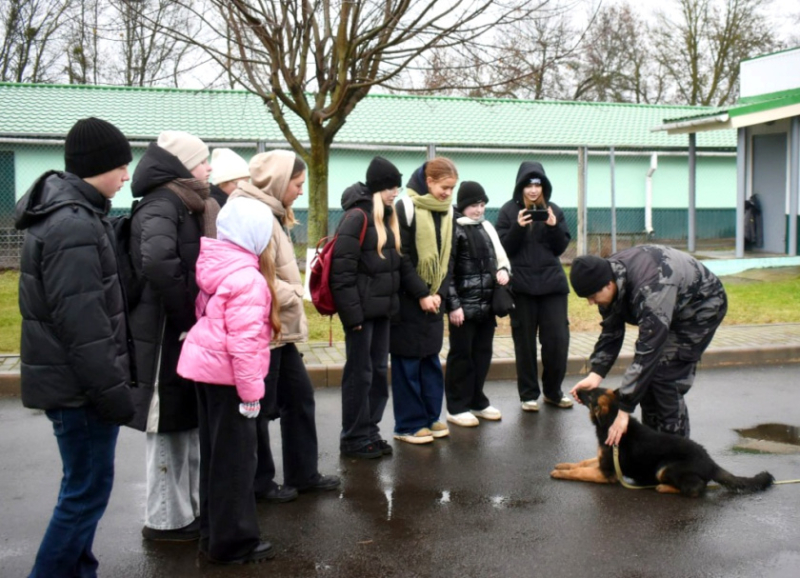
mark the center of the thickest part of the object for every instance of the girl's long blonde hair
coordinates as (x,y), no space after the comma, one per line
(266,265)
(378,211)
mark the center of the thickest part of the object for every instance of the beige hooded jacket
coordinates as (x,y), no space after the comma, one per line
(270,174)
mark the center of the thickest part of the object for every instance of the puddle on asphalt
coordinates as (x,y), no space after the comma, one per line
(772,438)
(497,502)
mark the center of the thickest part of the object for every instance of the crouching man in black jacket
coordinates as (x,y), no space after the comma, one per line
(76,364)
(677,304)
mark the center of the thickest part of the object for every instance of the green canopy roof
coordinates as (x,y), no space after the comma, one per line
(747,112)
(48,111)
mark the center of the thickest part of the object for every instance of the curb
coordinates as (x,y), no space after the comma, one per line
(505,368)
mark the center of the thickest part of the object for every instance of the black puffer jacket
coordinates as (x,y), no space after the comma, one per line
(75,347)
(165,244)
(534,250)
(474,270)
(218,195)
(414,332)
(365,285)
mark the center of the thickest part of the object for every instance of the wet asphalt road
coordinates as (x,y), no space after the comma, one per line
(480,503)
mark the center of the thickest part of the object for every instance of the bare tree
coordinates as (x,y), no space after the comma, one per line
(149,56)
(83,44)
(616,62)
(702,49)
(29,48)
(317,59)
(526,58)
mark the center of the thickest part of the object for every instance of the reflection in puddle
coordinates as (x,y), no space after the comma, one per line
(388,494)
(773,432)
(498,501)
(466,499)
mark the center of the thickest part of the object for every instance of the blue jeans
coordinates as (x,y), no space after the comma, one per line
(86,445)
(417,392)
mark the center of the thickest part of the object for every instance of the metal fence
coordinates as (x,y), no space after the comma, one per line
(612,199)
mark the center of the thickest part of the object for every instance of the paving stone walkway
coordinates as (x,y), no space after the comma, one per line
(732,345)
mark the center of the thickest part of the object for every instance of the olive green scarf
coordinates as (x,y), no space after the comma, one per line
(432,266)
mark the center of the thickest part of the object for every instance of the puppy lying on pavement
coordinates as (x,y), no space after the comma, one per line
(670,463)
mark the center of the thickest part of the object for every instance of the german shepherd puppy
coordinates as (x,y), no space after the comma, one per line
(671,463)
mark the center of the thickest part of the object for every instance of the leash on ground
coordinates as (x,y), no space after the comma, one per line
(621,477)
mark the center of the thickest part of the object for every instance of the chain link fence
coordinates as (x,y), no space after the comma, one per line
(611,199)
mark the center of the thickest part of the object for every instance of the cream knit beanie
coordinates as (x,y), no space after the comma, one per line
(226,166)
(189,149)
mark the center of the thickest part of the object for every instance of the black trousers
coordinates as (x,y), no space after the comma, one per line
(663,406)
(468,362)
(545,315)
(228,517)
(295,404)
(365,386)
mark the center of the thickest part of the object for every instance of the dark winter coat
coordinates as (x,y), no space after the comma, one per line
(414,332)
(474,272)
(218,195)
(534,250)
(364,284)
(75,346)
(663,291)
(165,244)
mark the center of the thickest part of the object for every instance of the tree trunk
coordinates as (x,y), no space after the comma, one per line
(318,188)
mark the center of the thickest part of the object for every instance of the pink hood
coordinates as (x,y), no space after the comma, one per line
(229,345)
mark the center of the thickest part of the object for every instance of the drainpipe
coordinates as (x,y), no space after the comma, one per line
(648,201)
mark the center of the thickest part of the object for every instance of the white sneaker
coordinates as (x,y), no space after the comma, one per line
(490,413)
(422,436)
(563,403)
(439,429)
(465,419)
(530,406)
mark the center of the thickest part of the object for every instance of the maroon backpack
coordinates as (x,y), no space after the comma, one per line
(320,271)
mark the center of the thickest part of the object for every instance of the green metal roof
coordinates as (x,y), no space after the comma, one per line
(745,106)
(28,110)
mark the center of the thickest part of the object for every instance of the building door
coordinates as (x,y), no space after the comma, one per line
(769,183)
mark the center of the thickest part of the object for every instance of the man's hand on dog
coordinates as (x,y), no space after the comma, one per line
(618,428)
(591,381)
(620,425)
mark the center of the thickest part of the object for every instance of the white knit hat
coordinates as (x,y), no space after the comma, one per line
(189,149)
(247,223)
(226,166)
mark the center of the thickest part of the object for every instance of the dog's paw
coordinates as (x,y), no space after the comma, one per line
(667,489)
(565,466)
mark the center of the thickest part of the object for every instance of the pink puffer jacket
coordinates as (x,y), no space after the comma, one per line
(229,345)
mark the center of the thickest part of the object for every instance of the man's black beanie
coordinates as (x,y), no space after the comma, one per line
(382,175)
(589,274)
(94,147)
(470,193)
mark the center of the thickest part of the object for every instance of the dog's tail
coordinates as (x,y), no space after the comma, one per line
(757,483)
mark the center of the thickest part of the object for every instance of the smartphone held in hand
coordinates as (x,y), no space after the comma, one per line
(538,214)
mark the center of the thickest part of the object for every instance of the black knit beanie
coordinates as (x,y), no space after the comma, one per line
(94,147)
(589,274)
(470,193)
(382,175)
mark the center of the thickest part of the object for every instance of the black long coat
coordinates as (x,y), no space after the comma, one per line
(414,332)
(534,250)
(75,348)
(364,284)
(165,244)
